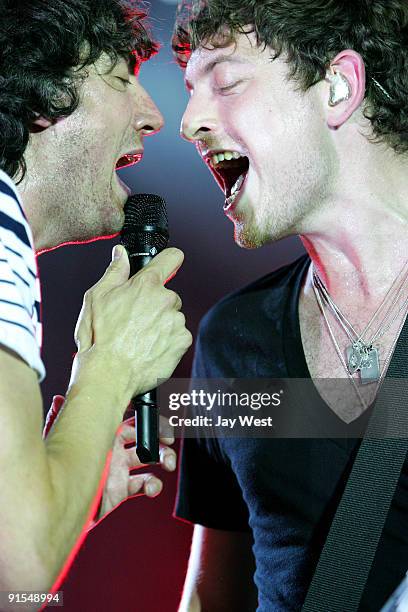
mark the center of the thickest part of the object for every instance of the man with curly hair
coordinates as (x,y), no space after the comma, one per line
(299,110)
(71,112)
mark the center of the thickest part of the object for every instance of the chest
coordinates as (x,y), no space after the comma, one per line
(292,489)
(325,347)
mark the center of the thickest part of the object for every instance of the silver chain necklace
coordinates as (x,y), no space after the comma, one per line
(339,353)
(362,355)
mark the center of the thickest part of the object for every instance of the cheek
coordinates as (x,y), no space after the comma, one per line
(278,136)
(260,120)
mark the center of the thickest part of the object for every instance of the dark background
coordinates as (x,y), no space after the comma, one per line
(136,559)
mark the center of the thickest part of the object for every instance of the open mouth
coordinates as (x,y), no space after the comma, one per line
(129,159)
(230,169)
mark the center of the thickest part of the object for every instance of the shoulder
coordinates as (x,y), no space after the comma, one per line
(20,298)
(15,231)
(9,193)
(253,302)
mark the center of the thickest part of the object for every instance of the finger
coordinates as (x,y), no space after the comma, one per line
(166,431)
(153,486)
(126,433)
(165,265)
(175,300)
(168,458)
(135,484)
(130,422)
(146,484)
(167,441)
(133,461)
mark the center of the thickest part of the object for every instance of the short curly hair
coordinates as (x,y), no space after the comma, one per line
(41,43)
(311,33)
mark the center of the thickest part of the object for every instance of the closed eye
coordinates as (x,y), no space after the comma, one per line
(228,88)
(126,81)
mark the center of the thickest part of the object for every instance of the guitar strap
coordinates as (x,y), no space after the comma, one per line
(347,556)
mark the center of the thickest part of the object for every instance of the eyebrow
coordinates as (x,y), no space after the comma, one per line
(220,59)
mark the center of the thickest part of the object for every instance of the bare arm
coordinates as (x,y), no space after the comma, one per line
(46,491)
(220,573)
(47,487)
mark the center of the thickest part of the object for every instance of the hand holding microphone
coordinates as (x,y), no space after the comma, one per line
(131,333)
(145,235)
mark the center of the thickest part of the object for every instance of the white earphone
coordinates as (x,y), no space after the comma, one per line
(340,89)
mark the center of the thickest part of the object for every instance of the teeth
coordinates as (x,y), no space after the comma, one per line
(234,192)
(229,201)
(238,184)
(227,155)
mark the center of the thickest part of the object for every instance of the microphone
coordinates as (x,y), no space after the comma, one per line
(144,235)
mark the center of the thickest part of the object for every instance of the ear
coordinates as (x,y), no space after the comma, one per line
(348,69)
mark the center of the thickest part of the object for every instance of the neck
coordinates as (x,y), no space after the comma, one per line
(358,239)
(32,190)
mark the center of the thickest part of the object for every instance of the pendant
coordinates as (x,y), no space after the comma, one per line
(363,359)
(355,357)
(370,368)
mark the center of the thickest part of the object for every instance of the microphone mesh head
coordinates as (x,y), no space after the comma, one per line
(146,223)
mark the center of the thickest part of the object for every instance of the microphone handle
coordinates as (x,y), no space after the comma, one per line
(146,423)
(145,406)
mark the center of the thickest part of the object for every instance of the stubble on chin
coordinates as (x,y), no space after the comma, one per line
(252,233)
(88,227)
(246,234)
(106,215)
(112,220)
(249,232)
(245,238)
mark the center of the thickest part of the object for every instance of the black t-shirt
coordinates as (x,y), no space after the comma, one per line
(285,490)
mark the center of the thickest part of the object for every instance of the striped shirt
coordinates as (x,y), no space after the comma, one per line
(20,297)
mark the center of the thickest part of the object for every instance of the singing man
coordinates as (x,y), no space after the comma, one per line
(71,112)
(299,110)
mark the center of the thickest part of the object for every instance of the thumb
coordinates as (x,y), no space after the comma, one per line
(118,270)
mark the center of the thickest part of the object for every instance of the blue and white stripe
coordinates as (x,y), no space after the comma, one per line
(20,296)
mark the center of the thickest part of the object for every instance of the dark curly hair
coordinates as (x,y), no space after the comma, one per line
(311,33)
(41,42)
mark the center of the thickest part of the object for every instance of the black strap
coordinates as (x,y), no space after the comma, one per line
(348,553)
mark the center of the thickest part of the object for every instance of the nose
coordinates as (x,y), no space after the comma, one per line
(198,120)
(148,118)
